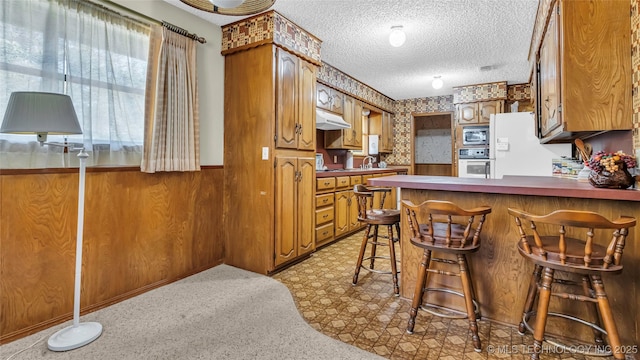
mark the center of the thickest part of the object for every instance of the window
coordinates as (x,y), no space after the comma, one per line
(94,55)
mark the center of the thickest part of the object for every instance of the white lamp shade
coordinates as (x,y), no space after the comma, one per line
(397,36)
(226,4)
(40,112)
(437,83)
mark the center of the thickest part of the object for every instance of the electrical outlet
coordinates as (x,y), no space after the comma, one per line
(265,153)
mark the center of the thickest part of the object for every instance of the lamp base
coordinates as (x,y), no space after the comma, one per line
(74,336)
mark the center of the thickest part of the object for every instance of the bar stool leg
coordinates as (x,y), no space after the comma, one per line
(374,245)
(468,300)
(544,296)
(363,248)
(531,297)
(607,316)
(592,310)
(419,290)
(392,257)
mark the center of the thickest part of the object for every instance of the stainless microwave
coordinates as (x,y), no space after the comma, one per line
(475,135)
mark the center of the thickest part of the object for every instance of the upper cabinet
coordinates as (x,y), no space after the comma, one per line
(347,138)
(583,75)
(478,112)
(329,99)
(381,124)
(295,97)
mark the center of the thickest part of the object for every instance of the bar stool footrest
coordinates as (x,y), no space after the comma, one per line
(376,270)
(460,314)
(573,349)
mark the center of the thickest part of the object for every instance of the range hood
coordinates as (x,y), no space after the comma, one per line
(328,121)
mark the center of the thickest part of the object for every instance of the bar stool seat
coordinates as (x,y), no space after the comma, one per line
(573,252)
(446,228)
(374,218)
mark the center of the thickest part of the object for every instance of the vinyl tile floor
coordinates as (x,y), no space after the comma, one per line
(370,317)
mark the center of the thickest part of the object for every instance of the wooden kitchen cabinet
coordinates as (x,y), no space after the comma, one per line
(329,99)
(324,218)
(584,70)
(295,97)
(346,216)
(380,123)
(295,207)
(478,112)
(347,138)
(269,180)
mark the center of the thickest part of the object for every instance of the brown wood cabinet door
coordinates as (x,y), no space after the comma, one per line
(287,100)
(549,77)
(387,133)
(341,218)
(467,113)
(357,124)
(305,206)
(285,214)
(348,135)
(337,102)
(488,108)
(307,106)
(353,211)
(323,96)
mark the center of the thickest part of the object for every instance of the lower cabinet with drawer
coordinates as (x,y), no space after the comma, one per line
(324,218)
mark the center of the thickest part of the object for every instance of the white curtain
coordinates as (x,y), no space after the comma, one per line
(97,57)
(172,130)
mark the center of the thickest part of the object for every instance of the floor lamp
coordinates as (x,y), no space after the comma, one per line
(44,113)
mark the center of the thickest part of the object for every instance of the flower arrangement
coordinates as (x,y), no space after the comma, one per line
(610,162)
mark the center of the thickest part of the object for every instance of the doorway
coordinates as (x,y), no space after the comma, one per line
(433,144)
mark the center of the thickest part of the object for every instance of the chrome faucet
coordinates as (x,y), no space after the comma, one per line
(370,164)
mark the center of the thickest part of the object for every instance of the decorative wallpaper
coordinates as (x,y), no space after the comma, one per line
(480,92)
(271,26)
(635,65)
(341,81)
(518,92)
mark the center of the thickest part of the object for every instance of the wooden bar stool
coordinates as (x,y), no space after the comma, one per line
(374,218)
(571,249)
(444,227)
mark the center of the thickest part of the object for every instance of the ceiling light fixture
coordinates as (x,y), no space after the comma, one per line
(437,82)
(397,36)
(231,7)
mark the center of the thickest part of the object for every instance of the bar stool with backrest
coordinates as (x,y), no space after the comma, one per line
(443,227)
(374,218)
(564,241)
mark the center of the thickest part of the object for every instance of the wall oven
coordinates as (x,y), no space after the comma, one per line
(475,168)
(475,135)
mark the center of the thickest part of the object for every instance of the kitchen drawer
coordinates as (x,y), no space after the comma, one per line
(324,200)
(356,179)
(324,233)
(324,215)
(324,184)
(343,182)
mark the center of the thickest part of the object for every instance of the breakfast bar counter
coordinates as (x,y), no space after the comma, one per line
(500,274)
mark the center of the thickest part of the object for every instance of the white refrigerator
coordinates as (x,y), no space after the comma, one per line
(514,148)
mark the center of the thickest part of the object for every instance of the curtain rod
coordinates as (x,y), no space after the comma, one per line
(111,5)
(184,32)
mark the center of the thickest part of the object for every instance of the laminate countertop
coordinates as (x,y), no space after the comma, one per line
(515,185)
(343,172)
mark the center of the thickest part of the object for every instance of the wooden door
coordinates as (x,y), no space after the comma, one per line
(305,206)
(353,211)
(348,135)
(488,108)
(549,77)
(307,106)
(467,113)
(285,211)
(341,218)
(323,96)
(357,124)
(286,100)
(337,102)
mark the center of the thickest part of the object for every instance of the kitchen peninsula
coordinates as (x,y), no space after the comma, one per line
(500,274)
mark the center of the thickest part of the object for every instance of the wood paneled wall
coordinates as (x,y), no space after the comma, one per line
(141,231)
(434,169)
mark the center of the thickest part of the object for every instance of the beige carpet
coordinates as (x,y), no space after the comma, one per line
(221,313)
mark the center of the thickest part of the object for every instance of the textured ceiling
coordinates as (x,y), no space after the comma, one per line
(448,38)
